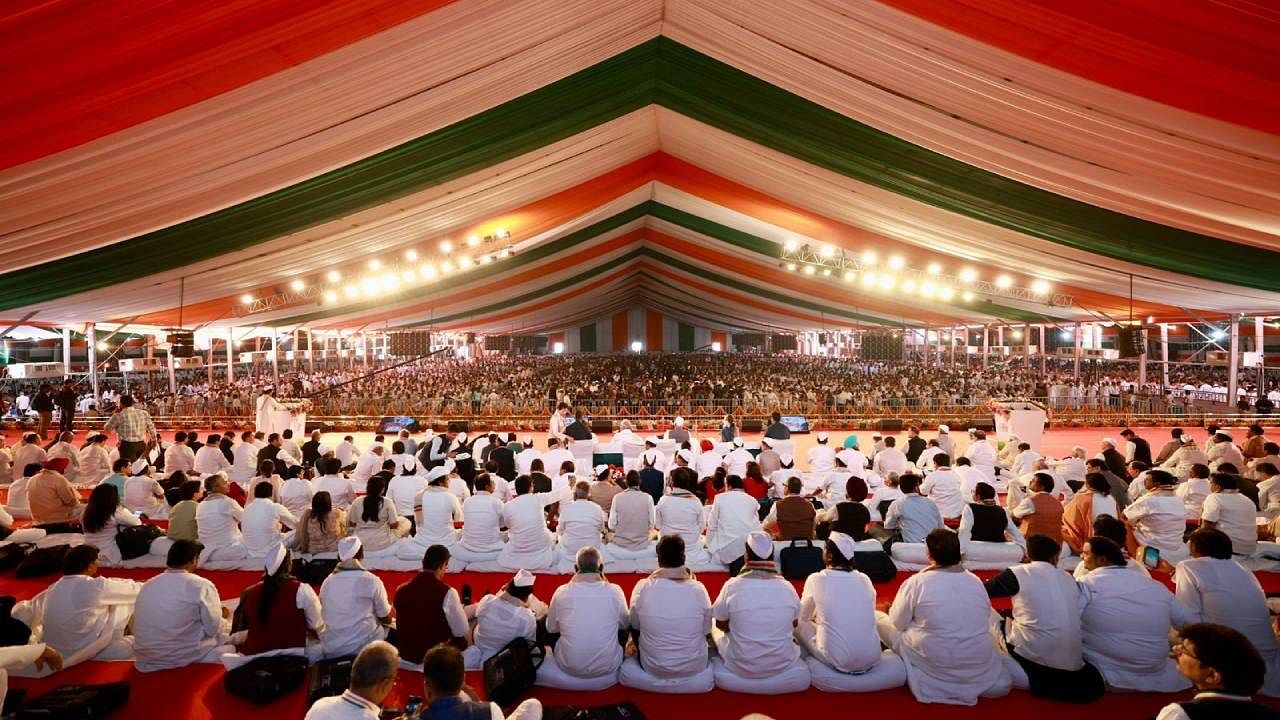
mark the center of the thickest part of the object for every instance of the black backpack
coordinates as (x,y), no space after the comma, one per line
(875,564)
(329,678)
(43,561)
(77,702)
(313,572)
(12,555)
(512,671)
(264,680)
(800,561)
(134,542)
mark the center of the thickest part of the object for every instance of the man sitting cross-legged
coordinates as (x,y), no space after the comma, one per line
(588,612)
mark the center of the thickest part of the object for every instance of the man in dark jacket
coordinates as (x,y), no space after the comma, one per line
(66,401)
(1141,448)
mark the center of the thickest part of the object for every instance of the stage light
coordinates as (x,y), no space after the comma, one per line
(791,267)
(330,296)
(967,296)
(869,279)
(369,286)
(503,233)
(473,241)
(808,270)
(887,282)
(1218,334)
(897,263)
(375,264)
(351,290)
(869,257)
(908,285)
(1151,319)
(464,261)
(390,281)
(557,348)
(297,285)
(927,289)
(428,271)
(1004,282)
(1065,334)
(1040,287)
(791,246)
(828,251)
(411,255)
(446,247)
(715,347)
(1017,334)
(946,292)
(246,299)
(848,275)
(333,276)
(446,267)
(637,346)
(968,275)
(408,276)
(103,346)
(934,269)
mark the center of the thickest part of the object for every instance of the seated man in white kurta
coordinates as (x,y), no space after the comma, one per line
(1125,620)
(83,616)
(503,617)
(682,513)
(837,626)
(940,625)
(670,619)
(218,522)
(481,536)
(631,518)
(178,616)
(353,602)
(734,515)
(530,545)
(755,617)
(987,533)
(587,612)
(434,510)
(580,525)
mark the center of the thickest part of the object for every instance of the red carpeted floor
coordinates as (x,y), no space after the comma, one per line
(196,692)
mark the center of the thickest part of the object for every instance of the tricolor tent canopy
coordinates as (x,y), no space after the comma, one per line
(494,164)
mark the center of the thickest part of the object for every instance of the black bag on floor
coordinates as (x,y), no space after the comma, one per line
(11,555)
(621,711)
(43,561)
(13,632)
(264,680)
(77,702)
(329,678)
(875,564)
(511,672)
(800,561)
(313,572)
(134,542)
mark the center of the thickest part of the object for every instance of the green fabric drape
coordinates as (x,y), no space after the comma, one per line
(662,72)
(587,338)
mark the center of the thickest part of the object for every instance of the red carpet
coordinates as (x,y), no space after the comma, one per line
(196,692)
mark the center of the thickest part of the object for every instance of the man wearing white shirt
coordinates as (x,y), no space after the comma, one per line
(837,626)
(373,677)
(347,453)
(822,457)
(341,492)
(403,489)
(290,447)
(969,475)
(296,493)
(353,602)
(707,463)
(1234,514)
(530,545)
(434,511)
(178,618)
(736,461)
(525,458)
(64,449)
(218,522)
(581,524)
(942,486)
(366,466)
(981,455)
(1158,519)
(891,459)
(755,616)
(481,536)
(144,496)
(734,515)
(262,521)
(27,452)
(209,458)
(588,612)
(1217,589)
(671,614)
(244,459)
(556,456)
(1125,620)
(931,451)
(556,425)
(1043,635)
(855,461)
(680,513)
(178,456)
(1025,461)
(503,617)
(95,461)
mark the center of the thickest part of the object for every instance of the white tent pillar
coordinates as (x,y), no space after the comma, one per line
(66,352)
(231,349)
(1233,367)
(311,350)
(1079,340)
(91,337)
(1026,344)
(986,346)
(1164,355)
(275,356)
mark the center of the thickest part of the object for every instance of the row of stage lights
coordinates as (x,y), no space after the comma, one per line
(829,261)
(386,278)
